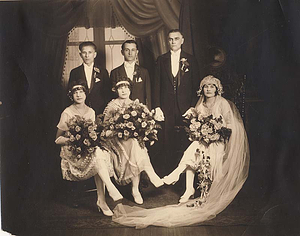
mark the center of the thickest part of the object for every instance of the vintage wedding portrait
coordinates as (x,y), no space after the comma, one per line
(149,117)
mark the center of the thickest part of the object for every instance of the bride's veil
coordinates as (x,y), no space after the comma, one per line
(235,172)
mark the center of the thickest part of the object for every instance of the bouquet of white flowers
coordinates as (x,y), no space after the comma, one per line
(133,121)
(207,129)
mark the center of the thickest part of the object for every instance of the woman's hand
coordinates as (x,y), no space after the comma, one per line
(188,112)
(61,140)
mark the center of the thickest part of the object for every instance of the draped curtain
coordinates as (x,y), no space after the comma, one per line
(148,20)
(34,49)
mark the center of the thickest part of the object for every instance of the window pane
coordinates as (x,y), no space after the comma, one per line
(114,34)
(113,55)
(81,34)
(72,60)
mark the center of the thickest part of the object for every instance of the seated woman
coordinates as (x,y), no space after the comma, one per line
(76,169)
(225,165)
(210,103)
(129,158)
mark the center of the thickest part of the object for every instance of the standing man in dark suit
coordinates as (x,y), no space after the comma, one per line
(139,76)
(96,78)
(176,81)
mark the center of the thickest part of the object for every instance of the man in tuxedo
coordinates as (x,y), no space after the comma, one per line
(141,88)
(96,78)
(176,81)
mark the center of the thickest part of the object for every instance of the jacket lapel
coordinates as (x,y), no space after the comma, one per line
(136,73)
(93,79)
(122,71)
(167,63)
(96,73)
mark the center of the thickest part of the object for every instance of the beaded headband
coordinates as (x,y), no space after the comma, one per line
(77,86)
(119,83)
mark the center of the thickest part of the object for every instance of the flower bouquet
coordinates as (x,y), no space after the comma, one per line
(132,121)
(203,169)
(207,129)
(82,137)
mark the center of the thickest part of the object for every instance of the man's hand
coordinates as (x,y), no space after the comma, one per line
(159,115)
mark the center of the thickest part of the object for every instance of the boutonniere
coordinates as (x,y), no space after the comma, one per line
(184,65)
(97,69)
(137,77)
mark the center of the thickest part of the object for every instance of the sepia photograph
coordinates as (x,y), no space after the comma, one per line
(150,117)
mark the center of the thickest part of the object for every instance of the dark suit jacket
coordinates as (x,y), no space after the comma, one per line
(163,94)
(141,83)
(100,92)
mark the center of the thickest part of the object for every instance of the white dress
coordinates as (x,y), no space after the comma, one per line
(230,165)
(215,151)
(84,168)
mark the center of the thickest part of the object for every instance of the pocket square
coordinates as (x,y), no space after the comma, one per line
(138,80)
(186,70)
(97,80)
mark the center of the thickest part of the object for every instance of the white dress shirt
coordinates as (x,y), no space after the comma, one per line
(129,68)
(88,70)
(175,58)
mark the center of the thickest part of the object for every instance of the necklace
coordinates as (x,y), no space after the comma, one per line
(81,111)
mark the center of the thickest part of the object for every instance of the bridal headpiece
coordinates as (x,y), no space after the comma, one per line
(210,80)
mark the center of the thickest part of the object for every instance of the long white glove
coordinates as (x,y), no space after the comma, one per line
(61,140)
(159,115)
(188,112)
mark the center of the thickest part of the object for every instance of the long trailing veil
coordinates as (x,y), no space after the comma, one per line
(235,172)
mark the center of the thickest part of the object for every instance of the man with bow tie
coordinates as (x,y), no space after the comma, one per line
(96,78)
(176,81)
(141,88)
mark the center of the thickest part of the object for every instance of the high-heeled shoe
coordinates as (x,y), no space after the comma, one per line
(187,195)
(106,212)
(171,179)
(137,197)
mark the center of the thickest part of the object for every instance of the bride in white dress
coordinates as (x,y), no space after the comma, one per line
(229,169)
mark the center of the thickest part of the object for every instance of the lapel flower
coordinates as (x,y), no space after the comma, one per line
(136,75)
(184,65)
(96,69)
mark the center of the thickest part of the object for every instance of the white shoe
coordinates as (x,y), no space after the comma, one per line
(105,209)
(137,198)
(187,195)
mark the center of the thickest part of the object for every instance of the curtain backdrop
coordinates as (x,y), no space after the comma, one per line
(148,18)
(35,36)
